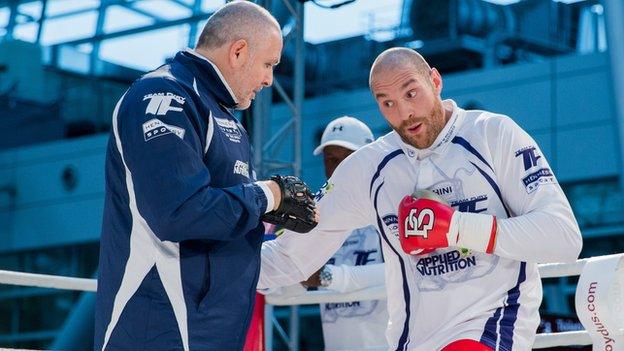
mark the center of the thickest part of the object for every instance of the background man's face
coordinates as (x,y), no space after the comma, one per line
(332,156)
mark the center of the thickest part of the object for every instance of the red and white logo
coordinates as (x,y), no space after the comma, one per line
(419,222)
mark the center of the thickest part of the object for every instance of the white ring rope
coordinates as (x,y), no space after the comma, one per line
(551,270)
(323,296)
(556,270)
(47,281)
(571,338)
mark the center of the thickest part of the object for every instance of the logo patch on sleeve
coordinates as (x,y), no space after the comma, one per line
(155,128)
(230,129)
(540,177)
(160,103)
(529,157)
(535,172)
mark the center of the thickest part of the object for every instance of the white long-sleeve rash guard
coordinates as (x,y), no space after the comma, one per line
(481,162)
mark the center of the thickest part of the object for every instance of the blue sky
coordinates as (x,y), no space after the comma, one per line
(148,50)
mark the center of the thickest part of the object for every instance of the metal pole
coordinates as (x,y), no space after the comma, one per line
(298,97)
(268,327)
(78,329)
(299,84)
(293,328)
(12,20)
(264,142)
(99,28)
(258,120)
(614,15)
(261,119)
(132,31)
(404,27)
(42,18)
(192,39)
(261,116)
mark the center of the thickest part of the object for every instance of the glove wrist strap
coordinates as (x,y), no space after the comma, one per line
(475,231)
(269,196)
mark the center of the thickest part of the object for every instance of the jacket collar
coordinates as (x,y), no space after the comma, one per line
(208,76)
(444,138)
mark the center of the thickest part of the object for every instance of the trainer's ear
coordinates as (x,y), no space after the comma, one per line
(238,53)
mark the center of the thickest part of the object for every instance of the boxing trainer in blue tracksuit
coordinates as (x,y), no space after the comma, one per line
(181,235)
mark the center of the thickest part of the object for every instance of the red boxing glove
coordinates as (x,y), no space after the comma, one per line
(427,223)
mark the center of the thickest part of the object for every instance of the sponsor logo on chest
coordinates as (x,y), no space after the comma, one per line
(445,263)
(392,222)
(475,204)
(230,129)
(444,190)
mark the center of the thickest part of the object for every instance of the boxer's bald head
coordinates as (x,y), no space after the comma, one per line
(398,59)
(407,91)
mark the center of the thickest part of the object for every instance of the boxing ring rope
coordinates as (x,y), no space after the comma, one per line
(551,270)
(48,281)
(543,340)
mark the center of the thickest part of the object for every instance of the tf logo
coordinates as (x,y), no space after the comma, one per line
(529,156)
(160,103)
(419,222)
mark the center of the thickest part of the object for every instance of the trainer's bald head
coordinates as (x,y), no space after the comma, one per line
(398,59)
(238,20)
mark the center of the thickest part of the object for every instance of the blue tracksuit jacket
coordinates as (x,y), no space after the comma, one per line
(181,235)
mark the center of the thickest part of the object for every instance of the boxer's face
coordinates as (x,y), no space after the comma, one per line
(410,102)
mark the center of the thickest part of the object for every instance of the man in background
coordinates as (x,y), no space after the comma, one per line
(358,264)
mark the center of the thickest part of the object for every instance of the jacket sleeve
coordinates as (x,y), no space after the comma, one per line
(542,227)
(154,126)
(342,205)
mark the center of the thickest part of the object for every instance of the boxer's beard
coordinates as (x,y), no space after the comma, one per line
(434,123)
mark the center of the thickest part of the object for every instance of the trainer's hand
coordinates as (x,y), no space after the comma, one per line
(295,209)
(426,222)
